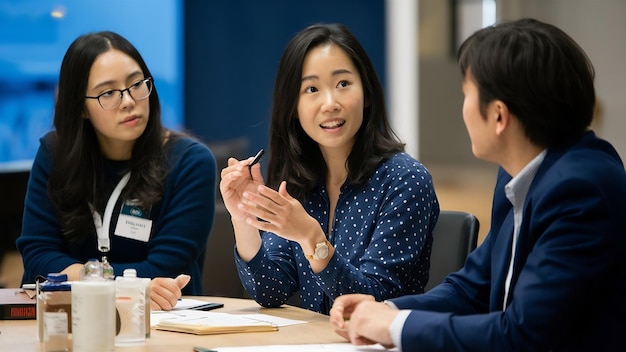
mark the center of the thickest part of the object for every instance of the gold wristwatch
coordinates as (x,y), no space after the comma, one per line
(321,251)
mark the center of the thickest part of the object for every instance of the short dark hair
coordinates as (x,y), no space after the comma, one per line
(542,75)
(294,156)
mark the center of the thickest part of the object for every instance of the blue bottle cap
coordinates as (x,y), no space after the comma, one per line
(56,282)
(57,277)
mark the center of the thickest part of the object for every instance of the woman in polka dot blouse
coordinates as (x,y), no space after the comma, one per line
(345,210)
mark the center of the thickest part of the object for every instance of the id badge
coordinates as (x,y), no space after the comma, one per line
(133,223)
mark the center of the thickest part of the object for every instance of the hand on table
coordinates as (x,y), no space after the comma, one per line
(362,320)
(165,291)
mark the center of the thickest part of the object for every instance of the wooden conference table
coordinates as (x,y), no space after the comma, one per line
(21,335)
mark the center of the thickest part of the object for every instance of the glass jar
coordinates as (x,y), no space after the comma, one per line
(54,312)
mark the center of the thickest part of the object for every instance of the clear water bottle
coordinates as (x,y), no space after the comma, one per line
(107,269)
(92,269)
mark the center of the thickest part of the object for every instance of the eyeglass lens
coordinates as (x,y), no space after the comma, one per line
(138,91)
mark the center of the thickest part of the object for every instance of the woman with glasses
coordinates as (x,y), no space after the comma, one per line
(345,210)
(110,181)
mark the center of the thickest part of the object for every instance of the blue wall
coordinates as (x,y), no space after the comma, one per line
(232,51)
(34,35)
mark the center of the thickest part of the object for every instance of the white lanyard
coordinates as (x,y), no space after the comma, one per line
(102,227)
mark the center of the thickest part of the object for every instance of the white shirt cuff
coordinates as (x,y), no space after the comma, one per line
(395,330)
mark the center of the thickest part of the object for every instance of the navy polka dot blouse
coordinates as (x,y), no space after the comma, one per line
(382,234)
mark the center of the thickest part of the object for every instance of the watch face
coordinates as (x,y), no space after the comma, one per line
(321,251)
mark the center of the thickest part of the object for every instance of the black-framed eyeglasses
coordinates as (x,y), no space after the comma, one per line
(138,91)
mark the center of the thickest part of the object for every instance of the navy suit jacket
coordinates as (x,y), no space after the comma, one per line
(568,290)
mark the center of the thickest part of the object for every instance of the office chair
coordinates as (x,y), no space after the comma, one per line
(454,238)
(219,274)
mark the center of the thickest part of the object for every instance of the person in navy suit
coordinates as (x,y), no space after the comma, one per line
(551,274)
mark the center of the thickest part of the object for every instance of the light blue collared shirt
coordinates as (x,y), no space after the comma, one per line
(516,191)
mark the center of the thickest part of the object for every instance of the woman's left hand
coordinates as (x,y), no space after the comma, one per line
(280,213)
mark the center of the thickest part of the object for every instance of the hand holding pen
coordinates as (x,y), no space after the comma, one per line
(256,159)
(236,179)
(241,177)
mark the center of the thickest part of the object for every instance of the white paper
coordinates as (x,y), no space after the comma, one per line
(274,320)
(157,315)
(332,347)
(190,316)
(203,318)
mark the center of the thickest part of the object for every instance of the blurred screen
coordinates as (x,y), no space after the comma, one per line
(34,35)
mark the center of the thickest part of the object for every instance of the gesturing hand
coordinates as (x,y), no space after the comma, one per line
(236,179)
(280,213)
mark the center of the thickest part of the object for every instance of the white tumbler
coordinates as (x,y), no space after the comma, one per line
(93,316)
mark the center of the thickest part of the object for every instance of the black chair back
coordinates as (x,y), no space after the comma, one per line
(454,238)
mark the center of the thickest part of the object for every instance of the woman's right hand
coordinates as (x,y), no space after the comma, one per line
(165,291)
(237,178)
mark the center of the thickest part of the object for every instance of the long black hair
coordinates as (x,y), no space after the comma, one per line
(77,175)
(294,156)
